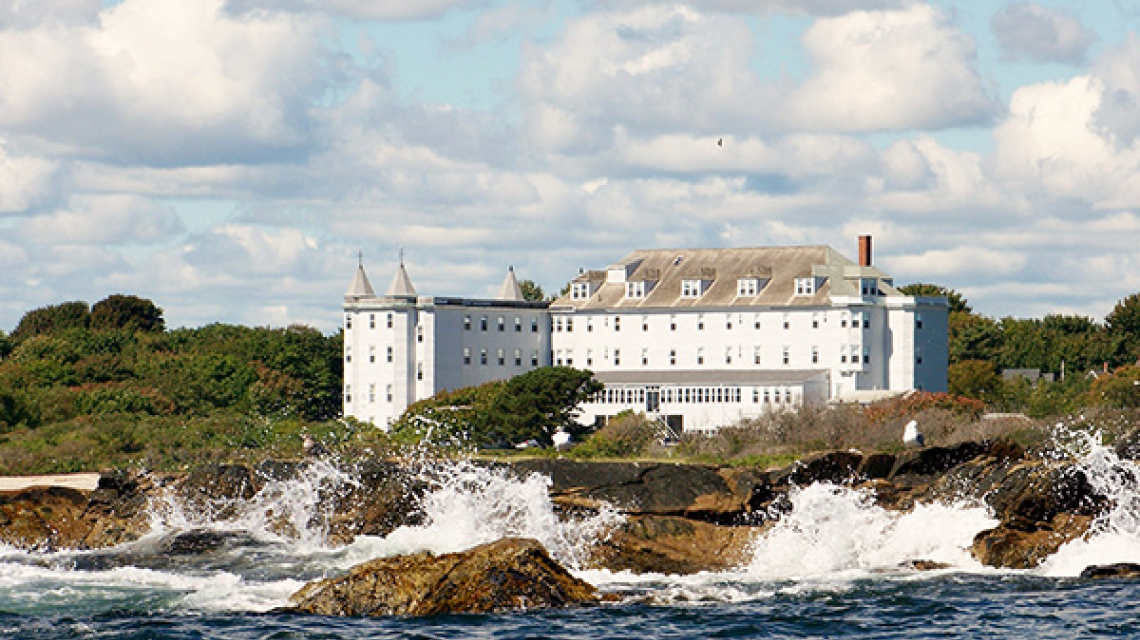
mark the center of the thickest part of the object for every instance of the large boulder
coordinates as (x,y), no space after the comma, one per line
(673,545)
(510,574)
(641,488)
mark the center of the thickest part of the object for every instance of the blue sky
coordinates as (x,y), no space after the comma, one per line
(229,158)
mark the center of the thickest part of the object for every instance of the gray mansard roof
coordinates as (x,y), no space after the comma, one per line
(775,268)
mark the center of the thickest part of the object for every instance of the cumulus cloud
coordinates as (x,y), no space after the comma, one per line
(651,69)
(1028,31)
(165,82)
(801,7)
(103,220)
(25,182)
(254,250)
(881,70)
(396,10)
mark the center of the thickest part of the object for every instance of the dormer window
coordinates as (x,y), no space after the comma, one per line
(747,287)
(580,291)
(691,288)
(869,287)
(635,290)
(805,286)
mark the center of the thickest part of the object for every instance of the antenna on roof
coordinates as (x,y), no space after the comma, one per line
(360,257)
(401,256)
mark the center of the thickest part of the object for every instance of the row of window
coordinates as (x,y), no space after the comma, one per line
(692,395)
(501,357)
(695,288)
(732,355)
(501,323)
(371,321)
(371,354)
(371,393)
(856,321)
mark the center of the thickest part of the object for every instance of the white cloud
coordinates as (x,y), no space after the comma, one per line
(25,182)
(249,250)
(963,261)
(396,10)
(27,13)
(652,69)
(165,82)
(881,70)
(801,7)
(1119,112)
(103,220)
(1029,31)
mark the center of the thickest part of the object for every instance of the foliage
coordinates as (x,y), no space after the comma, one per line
(915,403)
(1117,390)
(1123,323)
(533,405)
(133,313)
(52,318)
(974,379)
(532,291)
(955,300)
(626,435)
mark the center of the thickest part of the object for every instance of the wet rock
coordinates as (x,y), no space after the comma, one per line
(836,467)
(1128,570)
(935,460)
(925,565)
(1016,548)
(877,466)
(673,545)
(507,575)
(43,518)
(641,488)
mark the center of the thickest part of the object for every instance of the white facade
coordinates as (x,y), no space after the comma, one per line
(402,347)
(700,337)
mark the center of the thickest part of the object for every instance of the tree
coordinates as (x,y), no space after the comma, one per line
(532,291)
(1123,323)
(956,301)
(974,379)
(538,403)
(973,337)
(133,313)
(52,319)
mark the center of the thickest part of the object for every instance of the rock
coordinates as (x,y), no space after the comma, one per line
(1119,570)
(1127,447)
(673,545)
(836,467)
(935,460)
(507,575)
(925,565)
(1013,548)
(641,488)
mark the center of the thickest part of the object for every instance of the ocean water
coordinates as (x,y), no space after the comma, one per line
(835,567)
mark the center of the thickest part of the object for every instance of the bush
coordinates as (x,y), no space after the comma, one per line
(626,435)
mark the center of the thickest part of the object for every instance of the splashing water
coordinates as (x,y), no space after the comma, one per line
(471,505)
(837,531)
(1114,536)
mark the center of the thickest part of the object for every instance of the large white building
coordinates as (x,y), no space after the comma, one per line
(700,338)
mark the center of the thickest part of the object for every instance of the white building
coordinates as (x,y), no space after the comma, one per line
(402,347)
(705,337)
(698,337)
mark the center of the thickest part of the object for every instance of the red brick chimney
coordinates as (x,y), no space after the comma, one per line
(864,251)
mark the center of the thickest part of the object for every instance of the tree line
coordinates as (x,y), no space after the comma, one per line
(1084,362)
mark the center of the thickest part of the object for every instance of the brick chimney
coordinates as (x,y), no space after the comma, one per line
(864,251)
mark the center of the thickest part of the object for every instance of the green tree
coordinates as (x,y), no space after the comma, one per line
(1123,323)
(133,313)
(956,301)
(1119,389)
(532,291)
(973,337)
(538,403)
(52,319)
(974,379)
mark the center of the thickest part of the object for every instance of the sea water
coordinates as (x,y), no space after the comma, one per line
(834,567)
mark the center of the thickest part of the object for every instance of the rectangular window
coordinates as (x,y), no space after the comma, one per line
(918,355)
(466,355)
(371,393)
(483,357)
(518,324)
(787,355)
(617,323)
(746,287)
(589,357)
(391,321)
(419,371)
(419,333)
(372,353)
(805,286)
(918,321)
(534,358)
(673,356)
(483,323)
(690,288)
(348,354)
(672,323)
(569,325)
(756,320)
(645,323)
(700,322)
(390,354)
(617,357)
(645,357)
(534,325)
(372,321)
(518,357)
(502,324)
(815,355)
(466,323)
(389,393)
(635,290)
(580,291)
(728,322)
(502,358)
(347,321)
(787,321)
(728,355)
(815,320)
(756,355)
(700,355)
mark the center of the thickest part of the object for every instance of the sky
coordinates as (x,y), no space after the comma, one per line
(232,159)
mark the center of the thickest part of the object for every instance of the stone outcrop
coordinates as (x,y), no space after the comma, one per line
(672,545)
(1125,570)
(507,575)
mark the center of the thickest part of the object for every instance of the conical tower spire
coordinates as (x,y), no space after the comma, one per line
(401,286)
(360,287)
(510,289)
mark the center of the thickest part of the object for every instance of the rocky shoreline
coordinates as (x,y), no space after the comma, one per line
(677,518)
